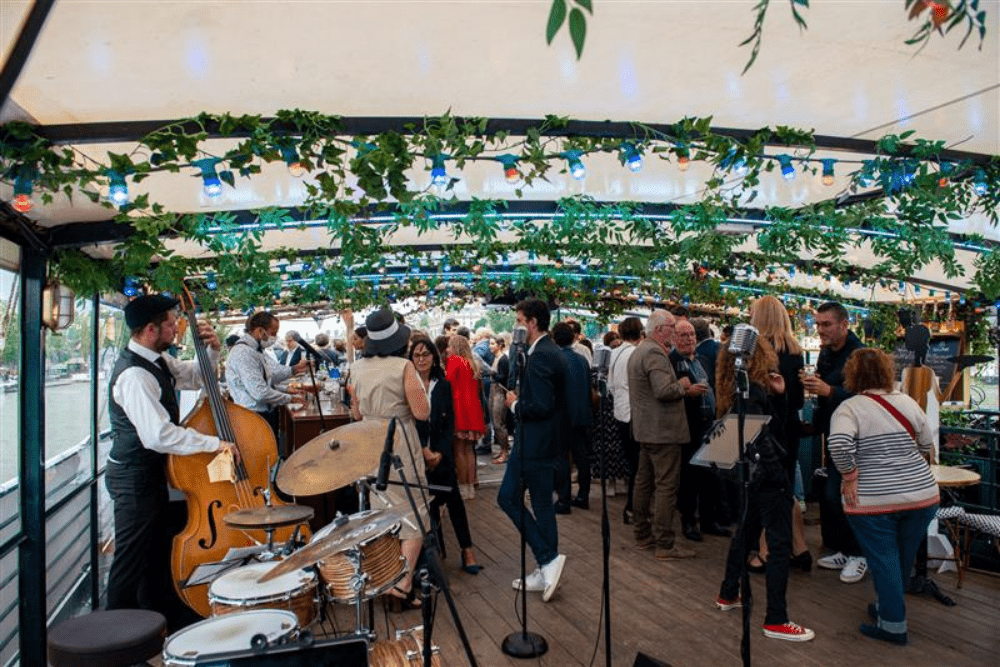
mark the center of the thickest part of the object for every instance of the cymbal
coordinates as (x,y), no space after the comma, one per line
(270,516)
(340,535)
(335,458)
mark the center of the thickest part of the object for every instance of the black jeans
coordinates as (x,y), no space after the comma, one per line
(140,572)
(631,449)
(769,508)
(836,531)
(453,499)
(700,490)
(579,445)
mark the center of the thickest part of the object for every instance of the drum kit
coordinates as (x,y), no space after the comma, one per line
(351,561)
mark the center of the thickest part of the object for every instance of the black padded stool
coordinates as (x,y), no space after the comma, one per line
(117,638)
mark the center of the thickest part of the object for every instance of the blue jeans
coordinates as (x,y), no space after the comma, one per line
(540,531)
(890,543)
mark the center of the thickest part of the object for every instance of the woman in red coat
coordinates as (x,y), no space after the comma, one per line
(463,374)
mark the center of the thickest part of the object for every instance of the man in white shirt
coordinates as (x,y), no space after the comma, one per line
(630,331)
(145,424)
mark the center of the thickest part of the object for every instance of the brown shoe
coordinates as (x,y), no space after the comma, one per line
(644,544)
(673,553)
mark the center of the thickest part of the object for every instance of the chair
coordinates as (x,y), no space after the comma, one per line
(978,525)
(951,519)
(117,638)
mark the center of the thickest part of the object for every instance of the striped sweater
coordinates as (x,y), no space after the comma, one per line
(892,475)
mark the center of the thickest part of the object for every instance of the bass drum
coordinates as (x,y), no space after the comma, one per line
(232,632)
(405,651)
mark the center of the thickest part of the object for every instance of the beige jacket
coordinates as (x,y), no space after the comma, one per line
(655,397)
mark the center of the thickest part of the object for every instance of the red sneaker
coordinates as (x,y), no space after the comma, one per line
(725,605)
(788,631)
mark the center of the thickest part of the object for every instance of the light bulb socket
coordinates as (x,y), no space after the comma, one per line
(828,171)
(787,168)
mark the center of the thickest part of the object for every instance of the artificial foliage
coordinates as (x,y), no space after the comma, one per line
(605,256)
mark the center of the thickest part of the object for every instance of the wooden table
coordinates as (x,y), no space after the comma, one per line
(298,428)
(952,477)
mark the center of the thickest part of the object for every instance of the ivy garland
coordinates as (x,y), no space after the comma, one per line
(604,256)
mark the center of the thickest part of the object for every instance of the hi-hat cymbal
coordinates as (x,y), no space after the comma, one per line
(270,516)
(342,534)
(335,458)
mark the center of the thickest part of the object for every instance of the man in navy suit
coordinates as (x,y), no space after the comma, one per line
(575,433)
(537,406)
(294,353)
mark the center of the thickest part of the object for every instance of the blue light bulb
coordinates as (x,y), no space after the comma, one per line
(633,159)
(439,176)
(787,168)
(210,282)
(117,189)
(576,169)
(979,182)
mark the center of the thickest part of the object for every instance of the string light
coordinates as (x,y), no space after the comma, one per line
(787,168)
(117,188)
(683,158)
(979,182)
(131,289)
(510,171)
(211,184)
(631,157)
(439,175)
(210,282)
(828,171)
(574,164)
(291,157)
(22,191)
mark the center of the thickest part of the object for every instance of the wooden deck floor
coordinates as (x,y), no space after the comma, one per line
(665,609)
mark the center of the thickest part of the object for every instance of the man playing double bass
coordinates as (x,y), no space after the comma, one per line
(144,420)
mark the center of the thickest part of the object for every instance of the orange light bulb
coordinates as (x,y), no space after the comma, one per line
(683,162)
(22,203)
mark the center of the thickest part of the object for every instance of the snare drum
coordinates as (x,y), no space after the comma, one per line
(374,555)
(239,591)
(232,632)
(406,651)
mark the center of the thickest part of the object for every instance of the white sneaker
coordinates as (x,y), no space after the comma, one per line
(855,570)
(552,572)
(835,561)
(536,582)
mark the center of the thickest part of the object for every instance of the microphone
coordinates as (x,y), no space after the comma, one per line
(519,336)
(308,348)
(744,340)
(382,481)
(602,360)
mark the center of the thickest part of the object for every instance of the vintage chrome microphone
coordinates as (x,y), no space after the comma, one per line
(742,345)
(602,360)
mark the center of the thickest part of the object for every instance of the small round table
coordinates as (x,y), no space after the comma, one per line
(951,477)
(948,478)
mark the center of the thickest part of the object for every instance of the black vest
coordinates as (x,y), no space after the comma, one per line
(126,447)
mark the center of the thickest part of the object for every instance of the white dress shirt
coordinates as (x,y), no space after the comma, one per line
(618,380)
(137,391)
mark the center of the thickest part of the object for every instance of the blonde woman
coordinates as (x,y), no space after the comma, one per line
(770,317)
(463,374)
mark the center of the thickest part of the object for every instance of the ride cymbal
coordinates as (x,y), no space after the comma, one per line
(335,458)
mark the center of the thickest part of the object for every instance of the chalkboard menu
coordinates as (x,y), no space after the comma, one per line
(938,352)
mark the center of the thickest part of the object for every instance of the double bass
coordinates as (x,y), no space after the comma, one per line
(206,538)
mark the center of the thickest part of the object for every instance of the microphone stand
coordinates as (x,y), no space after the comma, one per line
(523,644)
(742,396)
(602,385)
(434,567)
(319,409)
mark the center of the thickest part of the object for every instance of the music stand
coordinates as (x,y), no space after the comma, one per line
(722,446)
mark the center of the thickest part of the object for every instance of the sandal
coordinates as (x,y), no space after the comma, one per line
(501,458)
(400,600)
(756,569)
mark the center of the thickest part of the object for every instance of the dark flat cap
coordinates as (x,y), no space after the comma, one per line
(140,311)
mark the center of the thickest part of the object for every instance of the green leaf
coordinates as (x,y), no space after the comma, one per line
(227,177)
(589,6)
(578,30)
(556,17)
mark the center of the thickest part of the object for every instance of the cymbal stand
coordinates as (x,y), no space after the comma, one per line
(435,569)
(319,408)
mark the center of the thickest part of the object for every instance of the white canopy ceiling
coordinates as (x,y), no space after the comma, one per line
(849,75)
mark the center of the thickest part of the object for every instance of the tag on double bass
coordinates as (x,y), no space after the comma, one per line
(222,468)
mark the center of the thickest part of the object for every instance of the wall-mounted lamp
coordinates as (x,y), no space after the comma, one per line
(58,304)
